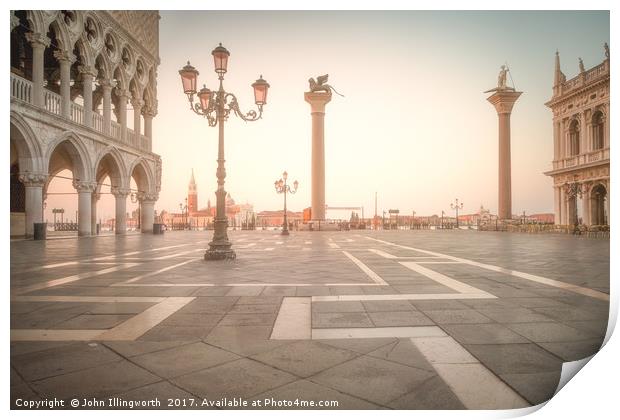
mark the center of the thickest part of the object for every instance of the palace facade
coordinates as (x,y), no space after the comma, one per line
(580,173)
(73,74)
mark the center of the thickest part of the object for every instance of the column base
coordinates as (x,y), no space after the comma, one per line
(216,253)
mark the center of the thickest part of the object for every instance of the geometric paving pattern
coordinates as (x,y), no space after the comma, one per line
(392,320)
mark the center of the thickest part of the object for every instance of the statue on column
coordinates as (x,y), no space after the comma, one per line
(320,85)
(502,83)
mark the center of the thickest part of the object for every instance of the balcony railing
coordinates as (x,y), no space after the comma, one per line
(583,78)
(21,89)
(585,158)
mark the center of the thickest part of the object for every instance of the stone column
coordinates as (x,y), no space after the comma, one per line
(503,101)
(123,96)
(317,101)
(106,86)
(120,194)
(557,201)
(147,212)
(94,198)
(65,58)
(137,104)
(85,190)
(33,184)
(88,75)
(38,42)
(148,115)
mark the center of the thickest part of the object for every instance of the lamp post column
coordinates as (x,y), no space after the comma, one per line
(220,246)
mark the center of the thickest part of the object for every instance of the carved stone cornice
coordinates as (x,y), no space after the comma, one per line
(31,179)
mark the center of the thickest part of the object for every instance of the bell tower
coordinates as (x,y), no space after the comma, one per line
(192,195)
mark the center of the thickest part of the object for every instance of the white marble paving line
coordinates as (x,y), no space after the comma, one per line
(250,245)
(474,385)
(268,249)
(532,277)
(95,299)
(279,242)
(308,242)
(239,284)
(294,320)
(333,245)
(144,251)
(377,332)
(144,321)
(165,257)
(441,278)
(126,331)
(53,335)
(152,273)
(408,296)
(70,279)
(373,276)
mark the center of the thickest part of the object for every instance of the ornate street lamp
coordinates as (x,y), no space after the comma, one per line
(216,106)
(456,207)
(283,188)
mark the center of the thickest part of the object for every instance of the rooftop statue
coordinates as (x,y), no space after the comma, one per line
(320,85)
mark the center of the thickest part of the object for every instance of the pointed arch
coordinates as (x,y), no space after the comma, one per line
(74,152)
(141,171)
(110,163)
(28,148)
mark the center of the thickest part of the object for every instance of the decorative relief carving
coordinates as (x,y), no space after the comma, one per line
(32,179)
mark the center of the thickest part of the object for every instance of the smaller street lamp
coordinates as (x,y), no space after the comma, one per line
(282,187)
(456,207)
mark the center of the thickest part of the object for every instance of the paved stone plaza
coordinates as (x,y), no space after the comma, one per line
(402,319)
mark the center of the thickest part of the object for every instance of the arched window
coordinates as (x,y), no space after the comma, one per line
(573,138)
(598,130)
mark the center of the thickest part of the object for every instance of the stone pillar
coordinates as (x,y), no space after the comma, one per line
(65,59)
(106,86)
(137,104)
(317,101)
(94,198)
(586,203)
(148,126)
(503,101)
(85,190)
(33,184)
(120,194)
(147,212)
(38,42)
(88,75)
(557,202)
(123,96)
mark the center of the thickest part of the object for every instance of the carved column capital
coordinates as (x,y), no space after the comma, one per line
(137,103)
(119,192)
(14,21)
(107,84)
(31,179)
(148,197)
(88,71)
(84,186)
(38,39)
(62,55)
(123,92)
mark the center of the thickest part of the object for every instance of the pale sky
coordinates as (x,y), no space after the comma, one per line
(414,124)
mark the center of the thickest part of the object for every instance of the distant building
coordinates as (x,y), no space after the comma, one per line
(275,218)
(581,140)
(239,215)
